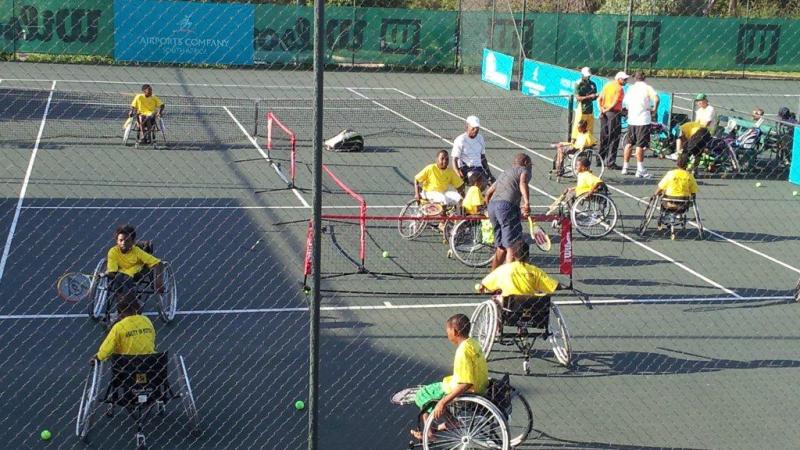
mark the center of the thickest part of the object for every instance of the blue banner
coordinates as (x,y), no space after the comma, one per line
(794,170)
(183,32)
(497,68)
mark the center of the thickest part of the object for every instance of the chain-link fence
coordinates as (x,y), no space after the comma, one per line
(676,316)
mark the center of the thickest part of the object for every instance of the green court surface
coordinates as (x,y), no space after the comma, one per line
(687,343)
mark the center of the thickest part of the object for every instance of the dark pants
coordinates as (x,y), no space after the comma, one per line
(610,130)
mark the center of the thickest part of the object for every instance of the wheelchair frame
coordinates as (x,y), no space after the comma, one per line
(133,127)
(489,323)
(138,403)
(675,218)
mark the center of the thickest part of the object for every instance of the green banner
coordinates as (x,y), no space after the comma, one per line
(408,37)
(74,27)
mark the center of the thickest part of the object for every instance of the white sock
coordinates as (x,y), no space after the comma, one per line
(639,167)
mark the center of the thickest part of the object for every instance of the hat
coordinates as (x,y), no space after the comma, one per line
(701,97)
(586,72)
(473,122)
(621,76)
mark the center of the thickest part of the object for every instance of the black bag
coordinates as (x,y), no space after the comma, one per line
(346,141)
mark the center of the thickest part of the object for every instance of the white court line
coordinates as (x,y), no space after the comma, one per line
(266,157)
(389,306)
(137,83)
(24,189)
(627,194)
(648,248)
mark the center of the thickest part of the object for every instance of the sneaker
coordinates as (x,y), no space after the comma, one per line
(624,171)
(642,174)
(673,156)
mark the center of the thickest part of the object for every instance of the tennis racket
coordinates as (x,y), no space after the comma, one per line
(540,238)
(73,287)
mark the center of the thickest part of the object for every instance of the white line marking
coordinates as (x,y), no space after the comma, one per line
(390,306)
(663,256)
(24,189)
(265,156)
(752,250)
(137,83)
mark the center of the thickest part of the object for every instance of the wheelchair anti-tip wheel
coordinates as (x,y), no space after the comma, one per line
(594,215)
(410,229)
(559,336)
(484,324)
(467,244)
(471,422)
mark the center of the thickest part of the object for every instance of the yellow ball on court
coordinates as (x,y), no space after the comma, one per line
(45,435)
(385,253)
(758,184)
(477,287)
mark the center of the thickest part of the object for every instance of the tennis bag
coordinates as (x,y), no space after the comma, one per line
(346,141)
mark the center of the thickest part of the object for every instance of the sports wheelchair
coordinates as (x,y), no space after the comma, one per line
(502,419)
(149,137)
(672,212)
(139,384)
(102,289)
(593,215)
(569,163)
(531,317)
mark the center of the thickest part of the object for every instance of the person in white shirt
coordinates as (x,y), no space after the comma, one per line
(469,151)
(641,101)
(704,116)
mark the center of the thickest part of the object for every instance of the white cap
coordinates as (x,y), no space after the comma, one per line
(621,76)
(586,72)
(473,122)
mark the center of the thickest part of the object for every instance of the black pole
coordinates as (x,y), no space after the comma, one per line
(313,341)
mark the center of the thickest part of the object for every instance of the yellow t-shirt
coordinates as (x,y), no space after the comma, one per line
(129,263)
(434,179)
(583,140)
(473,201)
(518,278)
(146,105)
(133,335)
(678,183)
(469,367)
(690,128)
(586,181)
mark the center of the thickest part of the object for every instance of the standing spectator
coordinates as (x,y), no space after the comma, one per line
(610,103)
(585,94)
(504,198)
(469,151)
(641,101)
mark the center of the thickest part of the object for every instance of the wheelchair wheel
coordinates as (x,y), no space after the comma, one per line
(519,419)
(89,401)
(652,206)
(410,229)
(168,300)
(472,422)
(700,229)
(98,293)
(187,396)
(485,320)
(559,336)
(590,154)
(466,243)
(594,216)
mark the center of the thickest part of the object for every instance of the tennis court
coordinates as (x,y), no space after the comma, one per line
(686,344)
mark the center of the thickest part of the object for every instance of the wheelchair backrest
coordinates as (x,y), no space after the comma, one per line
(527,310)
(499,393)
(142,378)
(147,246)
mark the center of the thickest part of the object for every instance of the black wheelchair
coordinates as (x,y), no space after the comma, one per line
(502,419)
(672,213)
(530,317)
(139,384)
(103,287)
(150,136)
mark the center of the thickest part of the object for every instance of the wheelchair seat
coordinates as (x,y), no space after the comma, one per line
(139,380)
(528,311)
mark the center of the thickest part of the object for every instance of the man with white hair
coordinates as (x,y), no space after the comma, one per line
(469,151)
(610,103)
(585,94)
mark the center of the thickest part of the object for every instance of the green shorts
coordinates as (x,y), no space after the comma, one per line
(427,396)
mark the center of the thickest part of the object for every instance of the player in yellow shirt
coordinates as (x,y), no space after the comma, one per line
(474,202)
(434,182)
(678,182)
(146,107)
(470,373)
(127,261)
(132,334)
(586,181)
(583,140)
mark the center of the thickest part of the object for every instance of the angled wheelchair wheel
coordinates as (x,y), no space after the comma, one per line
(595,215)
(652,206)
(98,293)
(700,230)
(410,229)
(168,300)
(519,419)
(466,244)
(597,169)
(89,401)
(187,395)
(559,337)
(470,422)
(485,320)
